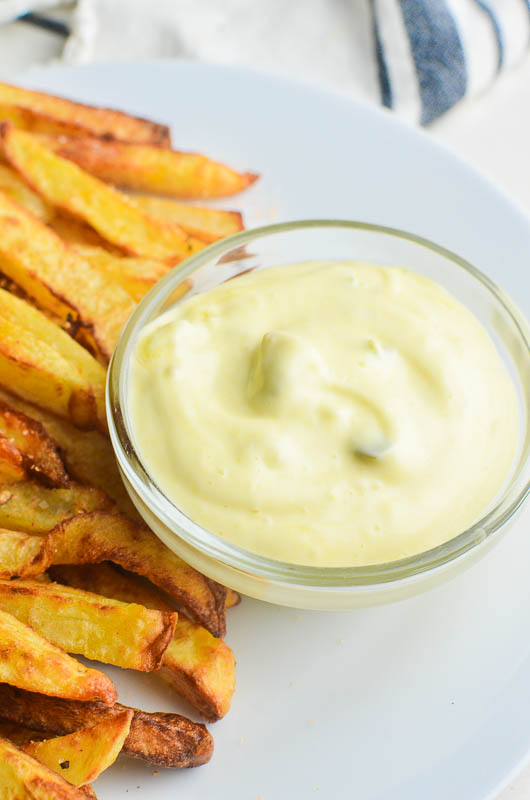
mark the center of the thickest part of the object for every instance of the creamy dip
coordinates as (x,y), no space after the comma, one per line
(325,413)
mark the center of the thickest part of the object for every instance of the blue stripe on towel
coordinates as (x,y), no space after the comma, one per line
(438,55)
(497,29)
(382,70)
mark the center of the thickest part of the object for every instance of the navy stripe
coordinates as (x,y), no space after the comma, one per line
(438,55)
(385,86)
(497,29)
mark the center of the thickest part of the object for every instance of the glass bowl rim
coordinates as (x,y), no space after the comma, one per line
(236,557)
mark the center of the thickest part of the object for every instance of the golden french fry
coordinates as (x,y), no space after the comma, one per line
(163,739)
(31,662)
(81,756)
(41,363)
(24,778)
(135,275)
(30,507)
(208,224)
(99,536)
(65,185)
(59,279)
(124,634)
(75,231)
(88,455)
(38,453)
(198,666)
(233,598)
(84,119)
(12,184)
(152,169)
(23,554)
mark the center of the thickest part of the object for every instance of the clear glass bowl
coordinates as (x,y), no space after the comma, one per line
(292,584)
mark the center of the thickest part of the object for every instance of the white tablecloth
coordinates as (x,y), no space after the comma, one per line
(492,133)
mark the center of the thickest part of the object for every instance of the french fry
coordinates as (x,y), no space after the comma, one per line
(198,666)
(81,756)
(30,507)
(163,739)
(233,598)
(23,554)
(65,185)
(135,275)
(41,363)
(38,453)
(99,536)
(152,169)
(75,231)
(24,778)
(18,734)
(80,118)
(31,662)
(124,634)
(208,224)
(88,455)
(59,279)
(12,184)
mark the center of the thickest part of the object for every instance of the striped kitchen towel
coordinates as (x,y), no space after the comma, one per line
(417,57)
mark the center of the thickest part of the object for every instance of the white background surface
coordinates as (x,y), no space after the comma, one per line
(493,135)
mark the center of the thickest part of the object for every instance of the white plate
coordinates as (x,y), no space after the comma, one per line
(429,698)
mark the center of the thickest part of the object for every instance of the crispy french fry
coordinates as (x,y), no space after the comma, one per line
(81,756)
(65,185)
(23,554)
(12,184)
(24,778)
(30,507)
(31,662)
(167,740)
(135,275)
(38,453)
(124,634)
(208,224)
(60,280)
(80,118)
(75,231)
(198,666)
(153,169)
(41,363)
(233,598)
(99,536)
(88,455)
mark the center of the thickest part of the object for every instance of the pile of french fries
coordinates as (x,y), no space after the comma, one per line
(89,221)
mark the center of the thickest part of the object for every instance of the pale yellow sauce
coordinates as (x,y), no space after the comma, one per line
(331,414)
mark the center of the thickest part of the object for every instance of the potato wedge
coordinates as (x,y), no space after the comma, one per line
(99,536)
(88,455)
(24,778)
(41,363)
(18,734)
(233,598)
(152,169)
(208,224)
(92,120)
(23,554)
(31,662)
(33,508)
(12,184)
(39,456)
(135,275)
(198,666)
(59,280)
(163,739)
(124,634)
(81,756)
(65,185)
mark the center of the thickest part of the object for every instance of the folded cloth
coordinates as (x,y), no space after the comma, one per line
(11,9)
(418,57)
